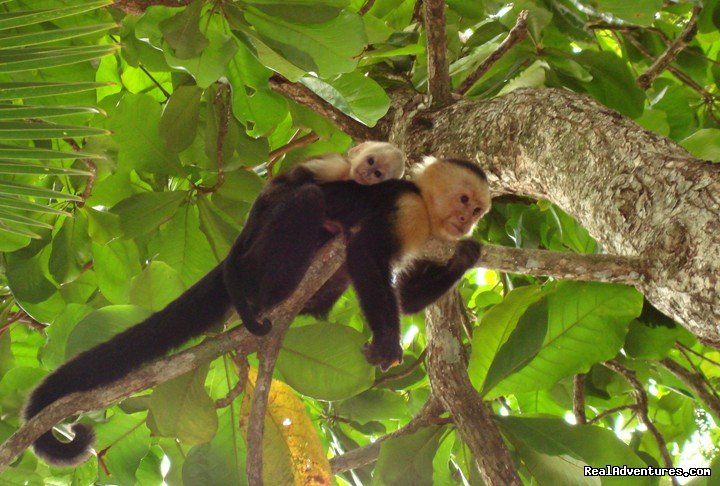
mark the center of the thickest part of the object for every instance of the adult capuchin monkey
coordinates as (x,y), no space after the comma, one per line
(207,302)
(393,221)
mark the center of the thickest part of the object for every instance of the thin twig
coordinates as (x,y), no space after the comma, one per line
(641,399)
(438,71)
(294,143)
(365,455)
(402,374)
(680,346)
(90,166)
(366,7)
(517,34)
(579,398)
(12,320)
(662,62)
(697,383)
(241,362)
(610,411)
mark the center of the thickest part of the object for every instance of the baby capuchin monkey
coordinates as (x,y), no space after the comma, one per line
(281,235)
(393,221)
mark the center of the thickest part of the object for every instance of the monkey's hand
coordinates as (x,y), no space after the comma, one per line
(385,353)
(466,255)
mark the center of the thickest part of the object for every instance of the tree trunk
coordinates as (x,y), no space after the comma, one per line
(637,193)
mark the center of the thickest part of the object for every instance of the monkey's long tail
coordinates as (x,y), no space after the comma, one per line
(202,305)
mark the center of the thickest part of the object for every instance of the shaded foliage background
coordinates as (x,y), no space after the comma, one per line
(132,147)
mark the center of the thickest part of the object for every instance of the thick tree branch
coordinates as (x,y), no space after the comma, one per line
(305,96)
(365,455)
(162,370)
(696,383)
(450,384)
(574,266)
(641,399)
(662,62)
(637,193)
(516,35)
(437,63)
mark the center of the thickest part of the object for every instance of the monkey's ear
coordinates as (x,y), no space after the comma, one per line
(357,149)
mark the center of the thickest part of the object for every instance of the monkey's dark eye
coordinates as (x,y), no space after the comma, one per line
(476,211)
(464,199)
(378,174)
(371,160)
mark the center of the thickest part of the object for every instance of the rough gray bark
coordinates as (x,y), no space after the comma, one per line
(638,194)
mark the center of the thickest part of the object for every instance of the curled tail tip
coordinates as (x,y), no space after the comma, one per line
(66,454)
(259,329)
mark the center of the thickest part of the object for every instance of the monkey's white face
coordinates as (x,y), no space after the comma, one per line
(456,198)
(373,162)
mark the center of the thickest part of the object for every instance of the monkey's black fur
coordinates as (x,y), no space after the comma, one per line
(265,265)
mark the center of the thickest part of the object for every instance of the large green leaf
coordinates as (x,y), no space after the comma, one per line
(639,12)
(181,408)
(324,361)
(28,153)
(593,446)
(18,112)
(495,328)
(115,264)
(146,211)
(587,323)
(15,189)
(156,286)
(409,459)
(182,31)
(353,94)
(704,144)
(44,131)
(136,130)
(179,119)
(30,168)
(126,440)
(328,48)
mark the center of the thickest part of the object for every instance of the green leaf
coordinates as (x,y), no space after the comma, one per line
(136,130)
(29,153)
(181,408)
(328,48)
(704,144)
(522,345)
(126,441)
(211,64)
(646,342)
(16,218)
(639,12)
(156,286)
(28,59)
(184,247)
(101,325)
(587,323)
(10,20)
(115,264)
(409,459)
(26,90)
(495,328)
(613,84)
(45,131)
(71,249)
(179,119)
(354,94)
(27,280)
(15,189)
(219,229)
(220,461)
(373,405)
(182,31)
(324,361)
(15,203)
(594,446)
(18,112)
(301,11)
(30,168)
(144,212)
(55,35)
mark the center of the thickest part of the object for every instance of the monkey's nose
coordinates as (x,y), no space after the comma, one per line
(461,218)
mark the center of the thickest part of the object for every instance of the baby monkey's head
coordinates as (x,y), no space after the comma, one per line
(373,162)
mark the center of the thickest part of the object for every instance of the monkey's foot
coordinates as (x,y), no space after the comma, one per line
(384,355)
(259,329)
(466,254)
